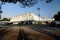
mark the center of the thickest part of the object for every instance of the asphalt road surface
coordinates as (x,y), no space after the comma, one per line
(29,32)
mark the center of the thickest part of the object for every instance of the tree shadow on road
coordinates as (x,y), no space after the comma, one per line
(23,35)
(3,31)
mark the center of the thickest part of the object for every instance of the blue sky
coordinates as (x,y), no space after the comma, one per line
(46,9)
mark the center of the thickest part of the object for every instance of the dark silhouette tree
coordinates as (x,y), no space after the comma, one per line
(0,12)
(25,3)
(48,1)
(57,16)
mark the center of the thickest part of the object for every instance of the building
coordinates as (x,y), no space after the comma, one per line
(25,17)
(29,17)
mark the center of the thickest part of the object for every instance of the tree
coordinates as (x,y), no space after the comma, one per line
(25,3)
(5,19)
(0,12)
(57,16)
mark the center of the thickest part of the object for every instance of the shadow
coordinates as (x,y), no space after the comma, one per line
(3,32)
(39,29)
(23,35)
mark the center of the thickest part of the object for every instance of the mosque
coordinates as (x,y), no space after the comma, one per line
(28,18)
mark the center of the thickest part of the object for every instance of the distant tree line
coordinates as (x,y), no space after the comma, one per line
(5,19)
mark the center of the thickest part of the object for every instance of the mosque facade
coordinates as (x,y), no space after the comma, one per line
(28,17)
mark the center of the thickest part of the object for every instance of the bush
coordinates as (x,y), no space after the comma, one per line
(40,23)
(52,23)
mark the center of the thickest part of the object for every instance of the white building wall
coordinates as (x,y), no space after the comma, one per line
(29,16)
(25,17)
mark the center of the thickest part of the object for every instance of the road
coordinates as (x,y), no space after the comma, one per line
(51,31)
(29,32)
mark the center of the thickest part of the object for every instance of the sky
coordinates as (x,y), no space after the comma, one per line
(46,9)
